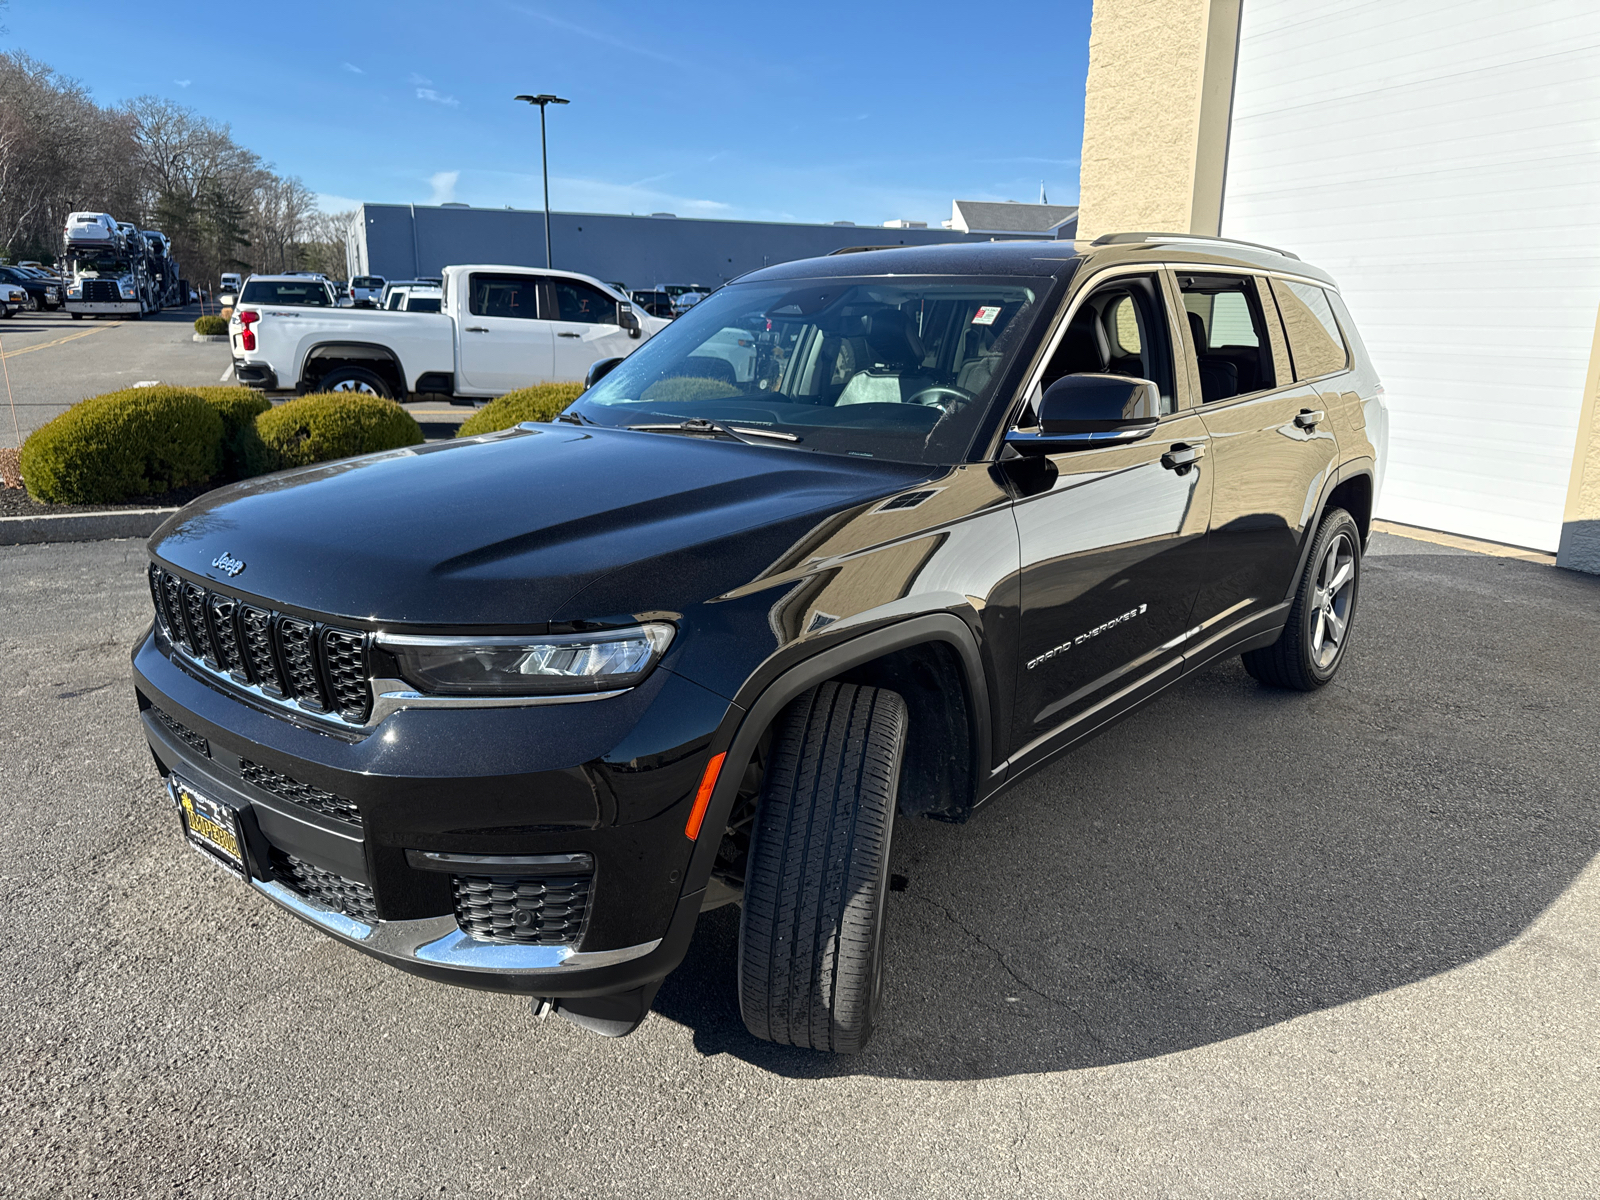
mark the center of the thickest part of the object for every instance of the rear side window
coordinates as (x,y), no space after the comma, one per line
(1229,330)
(515,296)
(1315,343)
(577,301)
(308,293)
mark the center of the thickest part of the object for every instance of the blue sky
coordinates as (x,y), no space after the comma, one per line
(814,111)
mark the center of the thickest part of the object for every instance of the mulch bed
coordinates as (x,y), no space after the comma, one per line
(15,502)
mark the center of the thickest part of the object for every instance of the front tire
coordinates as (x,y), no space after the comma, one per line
(355,379)
(1308,653)
(816,887)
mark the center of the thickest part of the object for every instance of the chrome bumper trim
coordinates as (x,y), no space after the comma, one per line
(438,941)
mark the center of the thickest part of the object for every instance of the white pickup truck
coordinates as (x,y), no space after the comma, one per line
(499,329)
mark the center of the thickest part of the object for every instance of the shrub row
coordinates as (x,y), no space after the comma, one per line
(147,441)
(539,403)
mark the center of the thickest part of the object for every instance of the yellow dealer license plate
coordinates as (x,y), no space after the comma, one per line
(212,828)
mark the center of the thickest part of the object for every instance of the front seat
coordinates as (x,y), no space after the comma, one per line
(895,350)
(1219,377)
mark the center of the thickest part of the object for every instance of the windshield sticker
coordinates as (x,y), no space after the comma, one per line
(986,314)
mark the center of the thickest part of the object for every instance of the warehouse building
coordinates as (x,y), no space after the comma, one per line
(1442,160)
(407,241)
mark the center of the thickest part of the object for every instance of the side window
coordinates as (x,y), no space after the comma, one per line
(1120,329)
(1229,330)
(515,296)
(577,301)
(1315,343)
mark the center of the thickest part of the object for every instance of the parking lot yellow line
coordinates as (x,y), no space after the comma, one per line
(58,341)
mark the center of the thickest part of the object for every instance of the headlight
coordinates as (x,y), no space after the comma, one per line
(529,666)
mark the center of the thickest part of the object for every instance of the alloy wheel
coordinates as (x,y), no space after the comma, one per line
(354,385)
(1330,601)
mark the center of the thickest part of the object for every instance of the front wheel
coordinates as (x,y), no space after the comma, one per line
(355,379)
(1308,653)
(817,880)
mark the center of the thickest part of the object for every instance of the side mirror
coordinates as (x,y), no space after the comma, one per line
(1080,411)
(629,320)
(599,370)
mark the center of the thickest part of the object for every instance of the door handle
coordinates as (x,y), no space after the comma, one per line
(1310,418)
(1182,456)
(476,329)
(569,335)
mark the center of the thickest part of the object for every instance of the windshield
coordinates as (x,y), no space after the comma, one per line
(310,292)
(422,304)
(366,281)
(891,368)
(101,266)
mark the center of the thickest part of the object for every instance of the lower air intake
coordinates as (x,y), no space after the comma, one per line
(529,911)
(324,887)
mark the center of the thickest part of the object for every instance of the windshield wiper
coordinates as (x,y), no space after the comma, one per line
(575,418)
(739,433)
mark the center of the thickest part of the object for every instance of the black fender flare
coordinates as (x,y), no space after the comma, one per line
(750,715)
(378,349)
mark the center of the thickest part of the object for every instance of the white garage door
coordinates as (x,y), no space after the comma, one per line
(1442,159)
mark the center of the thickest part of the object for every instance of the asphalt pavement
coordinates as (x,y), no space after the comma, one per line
(1245,944)
(51,362)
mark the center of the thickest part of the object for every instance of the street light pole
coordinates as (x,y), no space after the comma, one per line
(544,158)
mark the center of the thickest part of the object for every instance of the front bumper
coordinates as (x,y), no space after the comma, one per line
(104,307)
(486,782)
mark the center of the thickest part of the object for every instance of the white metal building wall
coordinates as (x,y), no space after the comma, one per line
(1442,159)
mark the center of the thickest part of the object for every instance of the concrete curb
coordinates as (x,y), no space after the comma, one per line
(82,527)
(209,337)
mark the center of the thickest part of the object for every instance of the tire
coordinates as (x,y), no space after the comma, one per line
(355,379)
(1308,653)
(33,303)
(76,316)
(817,881)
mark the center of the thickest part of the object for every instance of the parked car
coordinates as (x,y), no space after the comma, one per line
(500,328)
(366,290)
(702,638)
(299,291)
(13,299)
(656,303)
(228,288)
(684,301)
(44,294)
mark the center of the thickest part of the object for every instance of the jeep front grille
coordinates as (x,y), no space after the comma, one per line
(290,660)
(531,911)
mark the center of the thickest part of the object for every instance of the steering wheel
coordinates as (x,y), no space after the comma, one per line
(946,399)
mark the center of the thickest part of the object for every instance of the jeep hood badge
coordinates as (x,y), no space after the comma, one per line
(227,564)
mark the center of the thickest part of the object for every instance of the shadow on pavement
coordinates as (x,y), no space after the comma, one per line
(1234,857)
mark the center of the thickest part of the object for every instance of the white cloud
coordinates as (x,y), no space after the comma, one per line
(183,82)
(419,81)
(434,97)
(330,203)
(352,68)
(444,186)
(604,39)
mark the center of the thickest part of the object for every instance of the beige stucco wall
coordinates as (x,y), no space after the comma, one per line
(1580,527)
(1155,115)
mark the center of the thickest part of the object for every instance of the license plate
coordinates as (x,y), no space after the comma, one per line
(210,827)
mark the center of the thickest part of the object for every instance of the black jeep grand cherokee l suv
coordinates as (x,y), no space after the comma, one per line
(881,531)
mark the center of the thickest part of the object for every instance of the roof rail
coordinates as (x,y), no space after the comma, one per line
(1123,239)
(859,250)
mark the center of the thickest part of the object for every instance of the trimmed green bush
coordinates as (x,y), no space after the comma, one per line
(211,326)
(138,442)
(686,389)
(244,454)
(539,403)
(329,425)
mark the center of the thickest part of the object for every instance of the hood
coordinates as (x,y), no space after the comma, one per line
(505,530)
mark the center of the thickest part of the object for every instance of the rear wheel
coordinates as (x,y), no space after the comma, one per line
(355,379)
(1312,645)
(816,884)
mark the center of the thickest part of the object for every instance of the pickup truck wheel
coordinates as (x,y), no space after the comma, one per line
(817,880)
(1312,645)
(355,379)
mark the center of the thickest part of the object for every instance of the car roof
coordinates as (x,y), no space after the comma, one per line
(1038,258)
